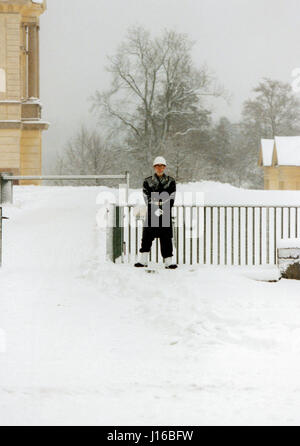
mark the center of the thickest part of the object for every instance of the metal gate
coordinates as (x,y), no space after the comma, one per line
(216,234)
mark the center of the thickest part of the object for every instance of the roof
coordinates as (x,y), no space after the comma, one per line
(39,5)
(281,151)
(267,148)
(22,1)
(287,150)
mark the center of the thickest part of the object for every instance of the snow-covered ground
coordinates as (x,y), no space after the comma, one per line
(89,342)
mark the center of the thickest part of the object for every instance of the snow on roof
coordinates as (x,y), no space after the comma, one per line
(267,147)
(288,150)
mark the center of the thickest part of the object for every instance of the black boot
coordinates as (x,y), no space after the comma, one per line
(172,267)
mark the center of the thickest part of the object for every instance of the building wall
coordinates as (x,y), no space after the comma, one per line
(271,178)
(10,110)
(31,154)
(20,117)
(10,54)
(289,177)
(282,178)
(10,150)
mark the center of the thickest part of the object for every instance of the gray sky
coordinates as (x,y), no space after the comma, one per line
(240,40)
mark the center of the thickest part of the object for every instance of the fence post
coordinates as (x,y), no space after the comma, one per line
(6,189)
(115,234)
(118,235)
(111,210)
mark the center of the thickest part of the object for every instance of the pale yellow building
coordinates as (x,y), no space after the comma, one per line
(280,159)
(21,123)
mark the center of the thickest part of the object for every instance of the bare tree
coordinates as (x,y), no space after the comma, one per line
(87,154)
(275,110)
(188,151)
(156,91)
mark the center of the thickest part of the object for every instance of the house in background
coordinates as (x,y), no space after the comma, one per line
(280,159)
(21,123)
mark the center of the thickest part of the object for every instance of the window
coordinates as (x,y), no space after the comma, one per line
(2,80)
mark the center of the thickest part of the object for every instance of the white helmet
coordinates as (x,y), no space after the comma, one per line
(159,160)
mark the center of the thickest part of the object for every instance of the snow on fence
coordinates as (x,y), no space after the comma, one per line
(213,235)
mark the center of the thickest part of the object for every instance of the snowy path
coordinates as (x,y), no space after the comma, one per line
(94,343)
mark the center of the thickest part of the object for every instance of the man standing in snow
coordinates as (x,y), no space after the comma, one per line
(159,193)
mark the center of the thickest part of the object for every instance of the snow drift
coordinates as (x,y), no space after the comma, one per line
(89,342)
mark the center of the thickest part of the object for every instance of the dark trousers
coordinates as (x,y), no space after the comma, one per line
(165,237)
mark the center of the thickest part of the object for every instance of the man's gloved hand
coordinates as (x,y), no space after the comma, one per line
(159,212)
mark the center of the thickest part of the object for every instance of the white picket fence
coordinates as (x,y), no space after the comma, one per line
(217,235)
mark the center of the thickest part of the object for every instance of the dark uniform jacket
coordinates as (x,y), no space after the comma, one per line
(159,194)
